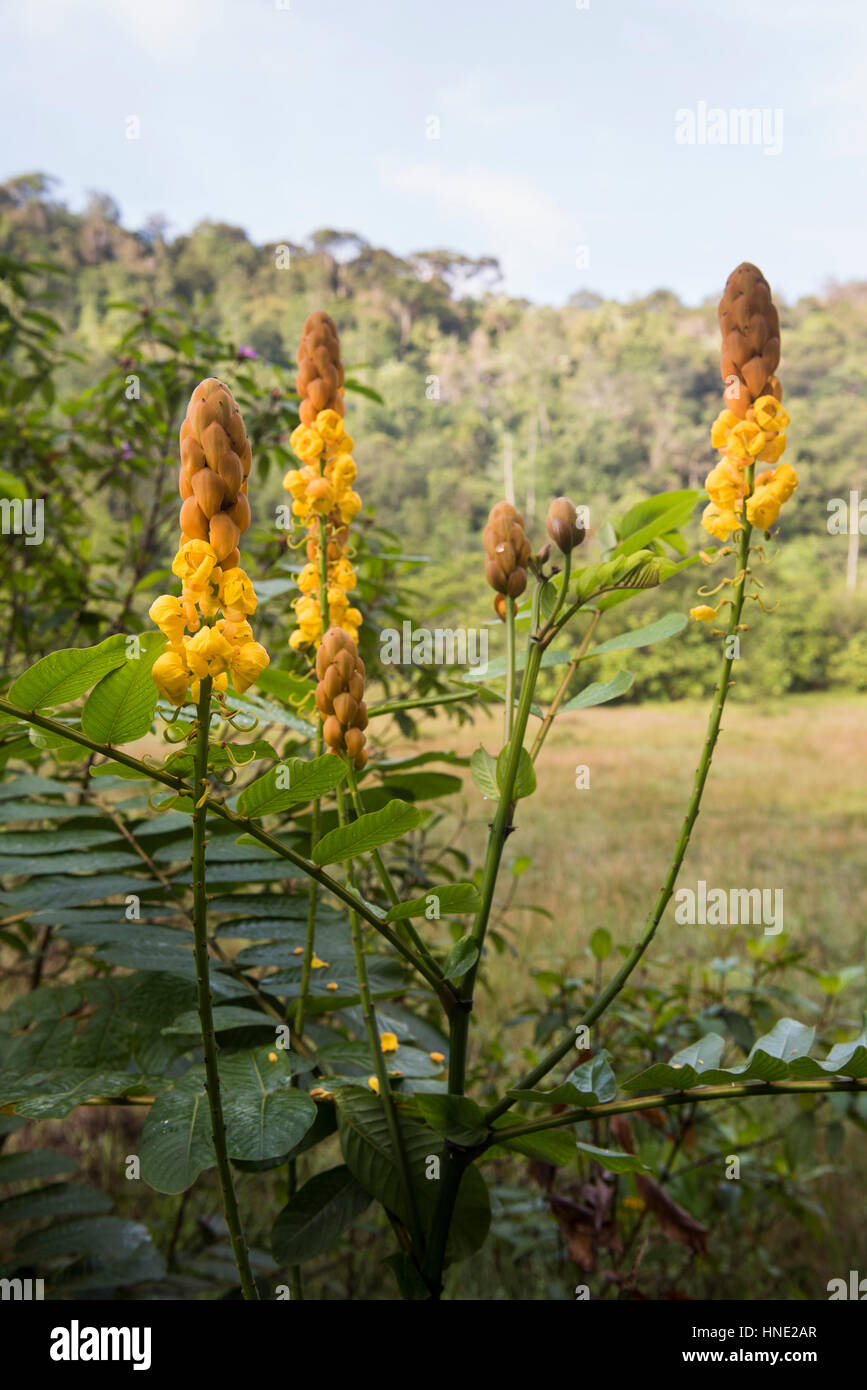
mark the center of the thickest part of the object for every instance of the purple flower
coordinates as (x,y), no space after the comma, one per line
(125,451)
(248,353)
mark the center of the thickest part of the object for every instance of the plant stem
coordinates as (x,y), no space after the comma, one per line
(699,1094)
(368,1012)
(510,668)
(206,1017)
(615,985)
(562,688)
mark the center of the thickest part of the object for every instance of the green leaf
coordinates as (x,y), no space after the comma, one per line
(656,516)
(292,783)
(264,1116)
(121,707)
(64,675)
(484,773)
(591,1083)
(685,1068)
(175,1145)
(58,1199)
(367,1150)
(667,626)
(844,1059)
(600,943)
(457,1117)
(34,1163)
(600,692)
(317,1216)
(614,1160)
(461,958)
(554,1146)
(368,832)
(445,898)
(525,777)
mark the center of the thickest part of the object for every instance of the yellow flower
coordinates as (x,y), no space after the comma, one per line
(350,505)
(784,481)
(236,591)
(722,428)
(373,1083)
(770,414)
(763,507)
(332,984)
(171,676)
(774,449)
(308,579)
(343,471)
(330,426)
(247,664)
(388,1042)
(208,653)
(437,1056)
(725,484)
(306,442)
(168,614)
(194,562)
(718,522)
(703,614)
(295,482)
(745,440)
(317,964)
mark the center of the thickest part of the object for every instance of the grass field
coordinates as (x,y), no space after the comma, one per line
(785,806)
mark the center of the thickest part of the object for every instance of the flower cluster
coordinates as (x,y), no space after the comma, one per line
(340,695)
(751,429)
(322,488)
(507,553)
(215,464)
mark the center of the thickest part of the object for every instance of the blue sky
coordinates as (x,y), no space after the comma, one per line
(557,148)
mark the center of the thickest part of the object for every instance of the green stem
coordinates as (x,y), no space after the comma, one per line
(698,1095)
(510,668)
(613,988)
(562,688)
(206,1017)
(369,1015)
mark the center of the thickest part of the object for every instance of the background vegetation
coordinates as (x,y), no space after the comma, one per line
(455,383)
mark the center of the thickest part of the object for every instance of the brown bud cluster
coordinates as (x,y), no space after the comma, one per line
(215,465)
(563,526)
(320,372)
(340,695)
(750,329)
(507,550)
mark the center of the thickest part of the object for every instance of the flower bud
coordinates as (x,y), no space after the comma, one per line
(563,526)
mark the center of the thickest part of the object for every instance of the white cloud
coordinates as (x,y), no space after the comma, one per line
(503,215)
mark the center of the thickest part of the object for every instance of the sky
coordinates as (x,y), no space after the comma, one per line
(596,144)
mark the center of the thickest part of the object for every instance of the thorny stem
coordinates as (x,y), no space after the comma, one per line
(615,985)
(203,985)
